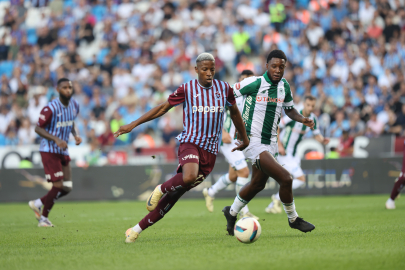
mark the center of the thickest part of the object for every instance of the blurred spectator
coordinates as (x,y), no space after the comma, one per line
(345,148)
(26,133)
(127,56)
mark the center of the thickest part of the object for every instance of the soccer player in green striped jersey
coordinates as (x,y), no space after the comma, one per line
(266,96)
(238,172)
(289,138)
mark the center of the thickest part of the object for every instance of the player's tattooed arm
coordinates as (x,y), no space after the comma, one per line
(150,115)
(240,127)
(45,134)
(75,134)
(296,116)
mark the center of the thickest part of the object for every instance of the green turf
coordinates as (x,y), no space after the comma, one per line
(353,232)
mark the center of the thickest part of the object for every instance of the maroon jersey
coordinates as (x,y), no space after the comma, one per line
(203,112)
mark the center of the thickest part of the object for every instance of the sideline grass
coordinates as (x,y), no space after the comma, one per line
(352,232)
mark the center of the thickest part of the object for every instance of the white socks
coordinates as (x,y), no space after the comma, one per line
(237,205)
(221,184)
(289,209)
(38,203)
(137,229)
(297,183)
(240,182)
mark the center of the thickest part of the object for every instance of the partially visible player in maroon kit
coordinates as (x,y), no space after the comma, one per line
(56,122)
(398,186)
(204,102)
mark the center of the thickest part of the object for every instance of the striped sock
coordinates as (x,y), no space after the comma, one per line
(289,209)
(237,205)
(221,184)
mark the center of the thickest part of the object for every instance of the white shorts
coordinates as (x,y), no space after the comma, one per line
(291,164)
(255,148)
(235,159)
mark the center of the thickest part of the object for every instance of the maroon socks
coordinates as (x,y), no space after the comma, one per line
(173,184)
(164,206)
(49,199)
(397,187)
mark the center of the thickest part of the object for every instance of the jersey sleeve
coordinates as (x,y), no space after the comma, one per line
(288,100)
(246,87)
(177,97)
(230,99)
(45,117)
(284,121)
(316,130)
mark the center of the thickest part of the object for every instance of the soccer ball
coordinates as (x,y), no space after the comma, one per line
(247,230)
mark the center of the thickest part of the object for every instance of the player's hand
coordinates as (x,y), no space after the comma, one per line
(309,123)
(326,141)
(61,143)
(240,145)
(122,130)
(281,150)
(78,140)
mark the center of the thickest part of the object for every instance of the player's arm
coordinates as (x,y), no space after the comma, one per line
(317,133)
(154,113)
(296,116)
(226,137)
(291,112)
(75,134)
(240,127)
(45,117)
(322,139)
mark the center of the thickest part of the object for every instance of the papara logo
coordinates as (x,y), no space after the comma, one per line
(268,99)
(64,124)
(207,109)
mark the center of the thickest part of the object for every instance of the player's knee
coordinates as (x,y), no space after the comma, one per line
(68,186)
(257,187)
(244,172)
(286,180)
(190,177)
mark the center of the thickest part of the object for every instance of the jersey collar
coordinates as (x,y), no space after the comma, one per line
(206,87)
(266,77)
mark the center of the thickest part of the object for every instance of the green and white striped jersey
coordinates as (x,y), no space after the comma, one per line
(292,132)
(263,104)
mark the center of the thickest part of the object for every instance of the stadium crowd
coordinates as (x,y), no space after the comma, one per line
(126,56)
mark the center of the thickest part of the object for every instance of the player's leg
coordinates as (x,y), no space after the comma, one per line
(54,174)
(224,181)
(177,189)
(243,179)
(257,184)
(292,165)
(398,186)
(268,165)
(181,180)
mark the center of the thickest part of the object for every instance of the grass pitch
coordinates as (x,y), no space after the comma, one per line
(352,232)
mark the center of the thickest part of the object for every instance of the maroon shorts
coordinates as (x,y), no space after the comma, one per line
(191,153)
(53,165)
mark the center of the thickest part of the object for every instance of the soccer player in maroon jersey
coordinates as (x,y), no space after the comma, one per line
(398,186)
(204,102)
(55,124)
